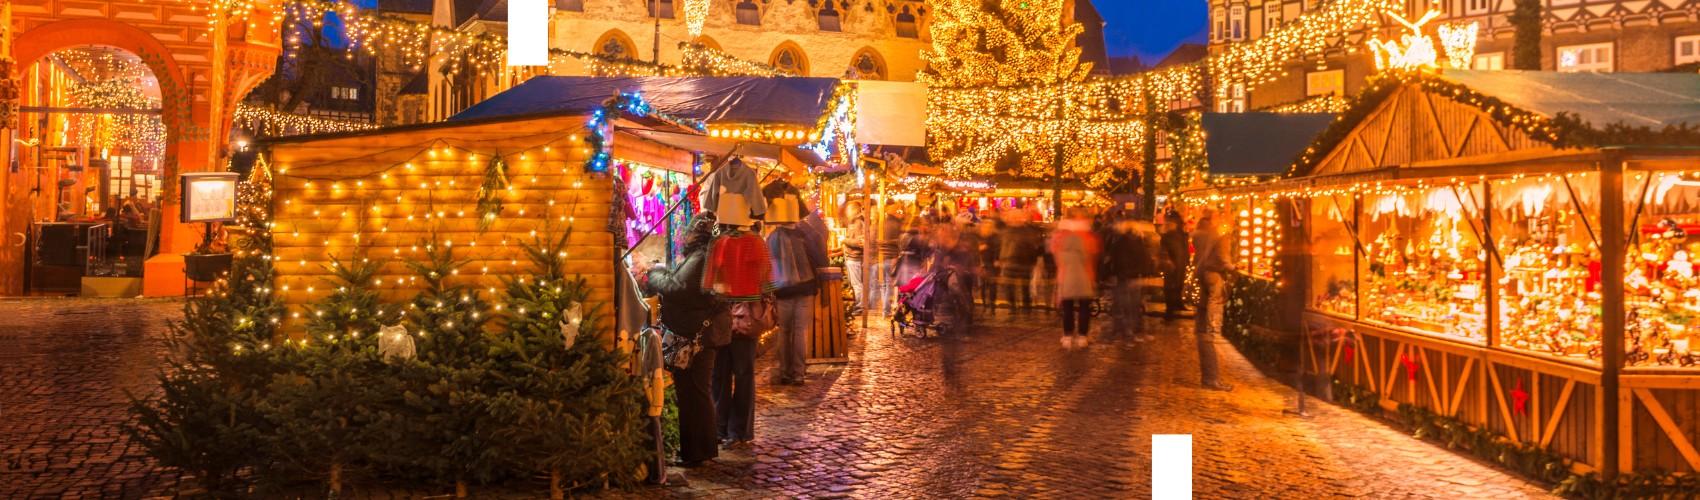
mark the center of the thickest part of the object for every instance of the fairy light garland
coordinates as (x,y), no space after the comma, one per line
(275,124)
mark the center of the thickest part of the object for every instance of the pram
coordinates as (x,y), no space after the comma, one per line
(926,303)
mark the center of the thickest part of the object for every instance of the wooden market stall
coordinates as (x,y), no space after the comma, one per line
(1512,250)
(390,193)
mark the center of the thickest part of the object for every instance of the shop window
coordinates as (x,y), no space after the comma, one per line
(907,26)
(661,9)
(1493,61)
(1596,58)
(569,5)
(1333,260)
(1661,293)
(828,19)
(1549,265)
(1424,265)
(748,13)
(1332,82)
(1687,49)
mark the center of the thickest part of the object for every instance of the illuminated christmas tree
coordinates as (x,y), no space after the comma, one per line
(1003,43)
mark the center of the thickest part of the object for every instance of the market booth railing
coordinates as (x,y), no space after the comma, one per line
(1459,234)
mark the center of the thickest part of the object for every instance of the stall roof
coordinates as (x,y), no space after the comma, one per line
(1258,143)
(753,100)
(1653,100)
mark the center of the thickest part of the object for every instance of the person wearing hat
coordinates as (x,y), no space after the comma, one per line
(1212,264)
(691,311)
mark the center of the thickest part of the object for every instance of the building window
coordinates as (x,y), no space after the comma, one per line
(1236,20)
(662,9)
(790,59)
(1492,61)
(1235,103)
(1325,83)
(1595,58)
(1271,16)
(1474,7)
(345,93)
(907,27)
(828,18)
(867,66)
(615,46)
(1220,18)
(569,5)
(749,13)
(1687,49)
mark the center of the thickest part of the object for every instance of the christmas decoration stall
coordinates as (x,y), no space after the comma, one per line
(1509,253)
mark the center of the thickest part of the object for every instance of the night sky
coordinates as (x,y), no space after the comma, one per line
(1151,29)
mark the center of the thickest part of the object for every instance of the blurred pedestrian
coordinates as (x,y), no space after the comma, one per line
(891,233)
(855,250)
(799,255)
(915,253)
(1130,257)
(1074,248)
(1212,264)
(691,311)
(988,245)
(1173,260)
(1017,255)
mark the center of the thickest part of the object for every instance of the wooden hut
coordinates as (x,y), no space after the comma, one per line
(388,194)
(1508,250)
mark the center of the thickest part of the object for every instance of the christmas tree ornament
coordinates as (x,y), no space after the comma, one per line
(394,342)
(570,321)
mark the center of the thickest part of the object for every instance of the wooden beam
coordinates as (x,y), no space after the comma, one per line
(1504,409)
(1463,381)
(1557,412)
(1434,394)
(1612,232)
(1672,431)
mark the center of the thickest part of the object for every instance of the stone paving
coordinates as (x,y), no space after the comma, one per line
(1003,411)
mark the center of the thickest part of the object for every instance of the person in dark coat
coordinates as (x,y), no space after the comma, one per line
(1017,255)
(1173,259)
(689,310)
(991,242)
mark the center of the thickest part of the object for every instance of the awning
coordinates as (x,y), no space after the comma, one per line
(1654,100)
(795,157)
(742,100)
(1258,143)
(891,113)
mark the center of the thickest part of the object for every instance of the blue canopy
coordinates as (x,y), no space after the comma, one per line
(744,100)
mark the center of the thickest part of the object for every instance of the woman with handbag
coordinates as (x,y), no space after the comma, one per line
(700,324)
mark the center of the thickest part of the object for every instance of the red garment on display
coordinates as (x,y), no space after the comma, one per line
(739,267)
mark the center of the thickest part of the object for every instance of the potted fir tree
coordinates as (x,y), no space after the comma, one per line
(210,260)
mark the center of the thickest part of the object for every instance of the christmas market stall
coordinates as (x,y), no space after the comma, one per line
(1510,253)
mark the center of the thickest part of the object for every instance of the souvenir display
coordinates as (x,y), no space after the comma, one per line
(1424,264)
(1660,294)
(1548,287)
(1334,285)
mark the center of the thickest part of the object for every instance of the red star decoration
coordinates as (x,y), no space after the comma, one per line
(1346,352)
(1410,367)
(1519,400)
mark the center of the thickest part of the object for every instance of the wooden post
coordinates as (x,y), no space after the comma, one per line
(220,79)
(1490,279)
(1612,231)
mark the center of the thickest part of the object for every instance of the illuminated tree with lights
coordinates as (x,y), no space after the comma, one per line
(1002,43)
(1008,44)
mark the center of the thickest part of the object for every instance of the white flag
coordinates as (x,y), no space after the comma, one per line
(528,32)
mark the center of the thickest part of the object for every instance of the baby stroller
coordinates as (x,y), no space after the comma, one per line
(922,304)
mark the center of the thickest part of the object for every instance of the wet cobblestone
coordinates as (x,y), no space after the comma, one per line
(1001,412)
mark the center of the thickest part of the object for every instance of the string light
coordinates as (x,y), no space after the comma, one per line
(272,123)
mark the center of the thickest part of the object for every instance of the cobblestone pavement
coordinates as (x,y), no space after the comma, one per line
(64,367)
(1003,411)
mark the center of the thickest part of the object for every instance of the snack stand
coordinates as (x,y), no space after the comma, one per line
(1460,234)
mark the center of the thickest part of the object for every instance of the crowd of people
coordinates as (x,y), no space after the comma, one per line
(1086,263)
(1090,261)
